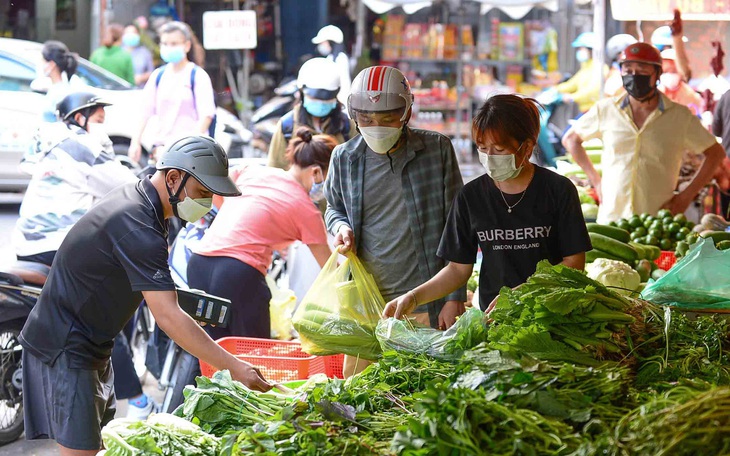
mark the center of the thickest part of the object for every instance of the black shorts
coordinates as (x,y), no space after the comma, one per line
(67,405)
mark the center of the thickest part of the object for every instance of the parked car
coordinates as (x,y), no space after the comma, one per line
(21,102)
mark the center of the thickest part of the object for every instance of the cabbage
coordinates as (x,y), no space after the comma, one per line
(615,274)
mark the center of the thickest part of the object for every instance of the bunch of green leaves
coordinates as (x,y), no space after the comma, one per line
(385,385)
(678,346)
(559,314)
(680,421)
(161,434)
(220,404)
(574,393)
(328,428)
(461,421)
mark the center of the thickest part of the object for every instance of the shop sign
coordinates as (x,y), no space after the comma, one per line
(662,10)
(229,29)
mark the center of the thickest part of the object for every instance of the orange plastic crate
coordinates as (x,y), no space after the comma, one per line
(666,260)
(278,360)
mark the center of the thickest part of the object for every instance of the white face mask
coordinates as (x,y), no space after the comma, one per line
(381,139)
(96,130)
(500,167)
(193,210)
(670,80)
(324,48)
(582,55)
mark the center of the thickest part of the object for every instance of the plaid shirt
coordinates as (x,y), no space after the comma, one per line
(431,179)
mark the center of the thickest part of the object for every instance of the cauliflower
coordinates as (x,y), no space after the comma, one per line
(612,273)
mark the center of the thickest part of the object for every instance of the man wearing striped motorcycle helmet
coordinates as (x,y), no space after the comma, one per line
(389,191)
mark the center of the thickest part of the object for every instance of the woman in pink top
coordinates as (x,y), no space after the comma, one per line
(275,209)
(182,102)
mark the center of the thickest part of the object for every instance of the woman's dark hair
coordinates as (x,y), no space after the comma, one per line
(57,52)
(112,35)
(507,116)
(306,149)
(335,125)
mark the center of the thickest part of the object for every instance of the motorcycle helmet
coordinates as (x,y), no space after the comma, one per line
(380,88)
(77,102)
(329,33)
(319,78)
(662,36)
(618,43)
(585,39)
(204,159)
(642,53)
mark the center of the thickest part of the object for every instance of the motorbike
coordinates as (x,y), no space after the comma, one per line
(264,119)
(20,287)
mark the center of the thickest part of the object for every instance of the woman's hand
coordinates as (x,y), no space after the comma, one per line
(449,313)
(400,306)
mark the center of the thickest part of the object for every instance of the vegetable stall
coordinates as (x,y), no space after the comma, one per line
(564,365)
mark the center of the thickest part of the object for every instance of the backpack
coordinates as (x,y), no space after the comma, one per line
(211,127)
(287,125)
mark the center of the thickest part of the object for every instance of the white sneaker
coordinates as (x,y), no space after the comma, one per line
(141,413)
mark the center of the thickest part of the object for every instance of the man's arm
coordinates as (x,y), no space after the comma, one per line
(681,201)
(573,143)
(191,337)
(336,214)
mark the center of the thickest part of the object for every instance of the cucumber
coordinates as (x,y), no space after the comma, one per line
(609,245)
(613,232)
(654,252)
(641,251)
(593,255)
(644,270)
(716,236)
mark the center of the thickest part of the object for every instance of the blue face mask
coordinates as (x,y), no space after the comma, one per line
(319,108)
(172,54)
(130,40)
(316,193)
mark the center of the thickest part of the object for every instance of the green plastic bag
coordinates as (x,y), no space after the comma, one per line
(340,311)
(699,281)
(404,336)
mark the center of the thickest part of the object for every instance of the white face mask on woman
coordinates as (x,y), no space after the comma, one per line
(501,167)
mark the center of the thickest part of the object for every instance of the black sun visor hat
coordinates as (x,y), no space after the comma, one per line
(204,159)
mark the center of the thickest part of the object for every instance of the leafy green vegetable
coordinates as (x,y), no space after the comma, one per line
(559,314)
(220,404)
(161,434)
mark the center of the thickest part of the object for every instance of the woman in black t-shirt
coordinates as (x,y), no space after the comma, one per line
(518,213)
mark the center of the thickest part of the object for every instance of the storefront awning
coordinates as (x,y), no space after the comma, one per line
(698,10)
(515,9)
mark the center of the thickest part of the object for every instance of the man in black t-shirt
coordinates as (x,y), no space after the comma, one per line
(114,256)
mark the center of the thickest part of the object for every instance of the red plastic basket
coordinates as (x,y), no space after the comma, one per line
(666,260)
(278,360)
